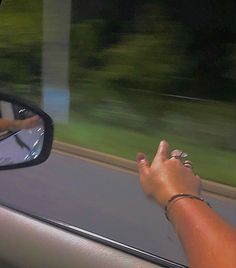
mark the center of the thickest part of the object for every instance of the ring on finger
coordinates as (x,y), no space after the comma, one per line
(188,164)
(178,154)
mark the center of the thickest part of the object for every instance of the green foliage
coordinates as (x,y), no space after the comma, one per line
(129,75)
(206,123)
(20,24)
(119,67)
(210,162)
(20,46)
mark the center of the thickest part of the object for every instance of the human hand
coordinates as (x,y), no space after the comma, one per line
(28,123)
(166,177)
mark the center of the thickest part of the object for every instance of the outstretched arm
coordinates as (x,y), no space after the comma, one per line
(207,239)
(15,125)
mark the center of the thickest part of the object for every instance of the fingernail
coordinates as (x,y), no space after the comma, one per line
(141,158)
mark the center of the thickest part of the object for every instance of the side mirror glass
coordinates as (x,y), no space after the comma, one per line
(26,134)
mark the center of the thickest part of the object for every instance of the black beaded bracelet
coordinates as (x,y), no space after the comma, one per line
(180,196)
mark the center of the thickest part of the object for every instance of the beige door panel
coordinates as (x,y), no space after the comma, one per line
(26,242)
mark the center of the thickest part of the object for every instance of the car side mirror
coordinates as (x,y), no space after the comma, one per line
(26,133)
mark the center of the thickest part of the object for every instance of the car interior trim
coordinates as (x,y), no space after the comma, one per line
(97,238)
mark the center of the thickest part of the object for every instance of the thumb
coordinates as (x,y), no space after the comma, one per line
(143,165)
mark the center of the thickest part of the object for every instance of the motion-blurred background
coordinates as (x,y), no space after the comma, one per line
(118,76)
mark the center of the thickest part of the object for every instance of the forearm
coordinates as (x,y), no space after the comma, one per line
(11,125)
(5,125)
(208,241)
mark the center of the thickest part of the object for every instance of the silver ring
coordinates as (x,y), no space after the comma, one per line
(178,154)
(188,164)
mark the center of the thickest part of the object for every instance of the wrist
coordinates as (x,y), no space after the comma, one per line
(175,201)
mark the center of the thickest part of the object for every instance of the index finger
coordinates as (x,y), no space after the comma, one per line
(162,153)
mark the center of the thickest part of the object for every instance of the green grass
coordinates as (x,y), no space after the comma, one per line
(210,163)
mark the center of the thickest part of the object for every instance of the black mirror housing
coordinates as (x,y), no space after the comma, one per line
(26,133)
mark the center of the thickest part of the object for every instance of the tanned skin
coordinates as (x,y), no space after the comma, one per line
(208,241)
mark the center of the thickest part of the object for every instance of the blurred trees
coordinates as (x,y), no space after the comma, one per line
(181,47)
(212,25)
(20,46)
(201,43)
(128,53)
(133,71)
(124,54)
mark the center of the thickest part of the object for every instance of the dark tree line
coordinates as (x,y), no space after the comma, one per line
(209,26)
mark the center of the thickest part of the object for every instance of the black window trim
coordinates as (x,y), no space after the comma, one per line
(48,130)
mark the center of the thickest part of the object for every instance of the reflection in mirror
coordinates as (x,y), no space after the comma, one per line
(21,134)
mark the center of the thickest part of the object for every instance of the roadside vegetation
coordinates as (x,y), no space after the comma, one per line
(208,137)
(127,60)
